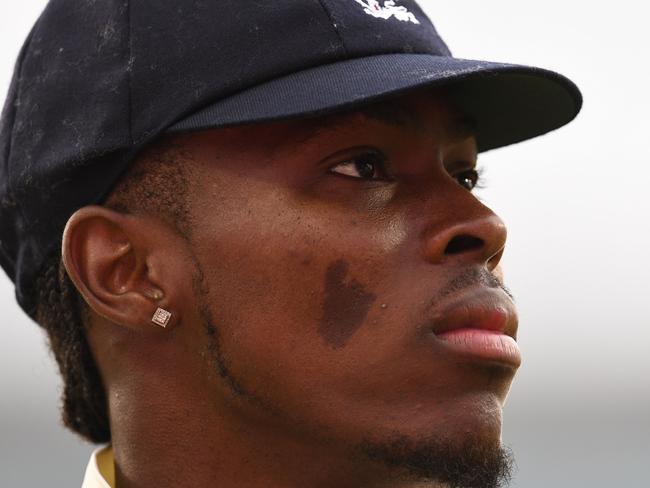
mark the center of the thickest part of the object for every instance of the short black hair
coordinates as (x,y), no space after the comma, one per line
(156,183)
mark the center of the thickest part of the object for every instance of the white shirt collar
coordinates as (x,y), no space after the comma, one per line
(93,477)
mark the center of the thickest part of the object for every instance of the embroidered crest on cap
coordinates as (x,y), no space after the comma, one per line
(389,9)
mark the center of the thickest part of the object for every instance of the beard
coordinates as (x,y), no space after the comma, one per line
(472,464)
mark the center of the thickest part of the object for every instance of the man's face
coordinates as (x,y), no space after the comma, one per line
(331,252)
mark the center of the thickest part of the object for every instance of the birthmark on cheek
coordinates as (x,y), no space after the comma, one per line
(345,306)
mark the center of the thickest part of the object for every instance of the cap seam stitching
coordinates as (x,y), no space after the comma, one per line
(334,26)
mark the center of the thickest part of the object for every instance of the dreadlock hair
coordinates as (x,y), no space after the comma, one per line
(59,312)
(156,183)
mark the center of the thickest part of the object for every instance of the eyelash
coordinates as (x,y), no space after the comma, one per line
(473,175)
(369,157)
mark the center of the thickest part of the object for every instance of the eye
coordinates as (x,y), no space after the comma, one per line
(468,179)
(369,165)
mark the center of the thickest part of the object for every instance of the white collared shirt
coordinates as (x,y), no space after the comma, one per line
(100,472)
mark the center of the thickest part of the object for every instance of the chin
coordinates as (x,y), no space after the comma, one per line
(463,451)
(458,442)
(479,417)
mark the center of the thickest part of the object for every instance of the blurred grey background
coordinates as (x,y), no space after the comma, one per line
(576,203)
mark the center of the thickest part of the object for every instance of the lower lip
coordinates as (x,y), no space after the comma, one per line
(484,344)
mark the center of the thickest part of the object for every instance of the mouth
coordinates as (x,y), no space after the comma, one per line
(480,324)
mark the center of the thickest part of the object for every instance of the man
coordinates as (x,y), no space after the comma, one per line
(248,229)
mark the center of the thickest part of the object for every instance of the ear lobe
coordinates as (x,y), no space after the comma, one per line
(105,253)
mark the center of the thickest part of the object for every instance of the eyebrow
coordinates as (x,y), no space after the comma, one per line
(391,114)
(399,116)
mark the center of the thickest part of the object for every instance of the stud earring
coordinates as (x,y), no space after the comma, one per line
(161,317)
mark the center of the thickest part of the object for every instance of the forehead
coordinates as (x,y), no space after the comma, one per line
(412,112)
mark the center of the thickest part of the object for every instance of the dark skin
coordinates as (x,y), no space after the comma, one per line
(304,299)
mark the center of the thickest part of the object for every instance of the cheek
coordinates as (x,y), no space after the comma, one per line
(281,286)
(291,287)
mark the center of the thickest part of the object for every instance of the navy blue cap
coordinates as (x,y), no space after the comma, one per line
(95,82)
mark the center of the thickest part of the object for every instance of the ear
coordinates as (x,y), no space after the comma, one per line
(117,262)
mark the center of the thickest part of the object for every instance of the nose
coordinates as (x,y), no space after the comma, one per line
(479,239)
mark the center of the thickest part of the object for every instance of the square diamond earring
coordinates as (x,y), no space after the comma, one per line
(161,317)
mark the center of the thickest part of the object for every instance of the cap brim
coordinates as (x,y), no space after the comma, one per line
(509,103)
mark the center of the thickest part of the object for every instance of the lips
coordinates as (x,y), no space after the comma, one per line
(480,324)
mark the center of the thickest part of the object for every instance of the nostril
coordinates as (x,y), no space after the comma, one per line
(463,243)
